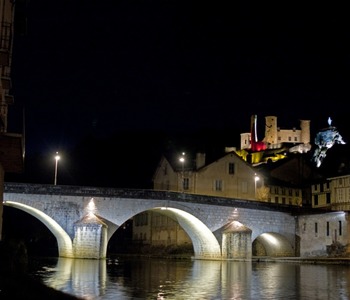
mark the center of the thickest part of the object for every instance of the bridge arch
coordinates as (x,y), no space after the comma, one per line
(272,244)
(64,242)
(205,244)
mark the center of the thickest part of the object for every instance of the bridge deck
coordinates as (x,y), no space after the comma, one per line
(68,190)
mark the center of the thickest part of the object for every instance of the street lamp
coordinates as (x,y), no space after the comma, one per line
(57,158)
(182,161)
(256,178)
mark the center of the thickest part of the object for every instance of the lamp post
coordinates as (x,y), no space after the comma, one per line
(256,178)
(182,161)
(57,158)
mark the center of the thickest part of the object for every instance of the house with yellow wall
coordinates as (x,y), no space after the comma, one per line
(228,176)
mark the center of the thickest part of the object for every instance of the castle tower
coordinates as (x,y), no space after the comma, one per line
(305,131)
(270,130)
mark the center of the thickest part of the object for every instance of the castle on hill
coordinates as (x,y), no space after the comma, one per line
(276,143)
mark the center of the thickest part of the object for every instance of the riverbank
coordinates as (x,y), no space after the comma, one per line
(305,260)
(24,287)
(15,283)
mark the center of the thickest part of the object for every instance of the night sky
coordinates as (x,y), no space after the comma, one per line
(111,85)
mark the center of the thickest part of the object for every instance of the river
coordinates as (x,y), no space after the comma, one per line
(153,278)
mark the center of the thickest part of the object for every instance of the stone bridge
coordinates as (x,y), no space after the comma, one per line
(83,219)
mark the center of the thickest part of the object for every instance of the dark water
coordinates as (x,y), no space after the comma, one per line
(123,278)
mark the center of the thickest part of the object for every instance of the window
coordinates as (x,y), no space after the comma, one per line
(327,228)
(218,185)
(186,183)
(316,199)
(328,198)
(340,228)
(283,200)
(289,139)
(276,199)
(295,139)
(231,168)
(316,229)
(290,192)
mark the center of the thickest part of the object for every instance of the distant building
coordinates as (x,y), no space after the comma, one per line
(154,229)
(228,176)
(275,136)
(277,142)
(332,193)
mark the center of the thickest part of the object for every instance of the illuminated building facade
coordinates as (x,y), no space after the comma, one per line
(276,143)
(231,177)
(332,193)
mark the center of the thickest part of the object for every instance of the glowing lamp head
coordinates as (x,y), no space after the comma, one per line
(57,157)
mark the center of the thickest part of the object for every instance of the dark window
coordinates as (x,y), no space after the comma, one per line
(328,198)
(316,199)
(231,168)
(340,228)
(327,228)
(316,228)
(186,183)
(321,187)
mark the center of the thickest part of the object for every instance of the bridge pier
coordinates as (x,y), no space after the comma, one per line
(236,242)
(90,238)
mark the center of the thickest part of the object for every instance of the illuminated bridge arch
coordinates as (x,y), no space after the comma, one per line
(272,244)
(64,242)
(205,244)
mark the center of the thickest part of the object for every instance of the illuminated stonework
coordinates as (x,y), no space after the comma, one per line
(325,139)
(90,238)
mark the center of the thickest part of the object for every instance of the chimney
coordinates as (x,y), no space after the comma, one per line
(200,160)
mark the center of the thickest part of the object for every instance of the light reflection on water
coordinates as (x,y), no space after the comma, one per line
(148,278)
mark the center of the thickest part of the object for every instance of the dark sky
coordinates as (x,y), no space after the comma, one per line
(142,70)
